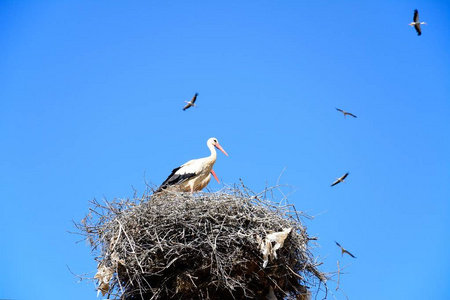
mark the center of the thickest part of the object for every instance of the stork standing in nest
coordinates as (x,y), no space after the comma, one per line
(195,174)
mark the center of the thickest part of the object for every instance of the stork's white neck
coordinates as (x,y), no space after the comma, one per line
(213,155)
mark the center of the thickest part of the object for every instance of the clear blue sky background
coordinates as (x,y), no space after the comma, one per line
(91,97)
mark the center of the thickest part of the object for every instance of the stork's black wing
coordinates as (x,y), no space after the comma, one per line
(194,98)
(349,253)
(174,179)
(336,182)
(345,176)
(416,16)
(418,29)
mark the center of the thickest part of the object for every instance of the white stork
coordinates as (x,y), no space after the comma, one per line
(343,250)
(340,179)
(416,22)
(345,112)
(191,103)
(195,174)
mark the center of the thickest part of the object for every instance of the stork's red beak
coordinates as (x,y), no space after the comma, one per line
(214,174)
(220,148)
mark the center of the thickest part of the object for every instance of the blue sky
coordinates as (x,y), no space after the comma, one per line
(91,105)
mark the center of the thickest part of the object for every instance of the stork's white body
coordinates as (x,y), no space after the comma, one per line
(201,167)
(196,173)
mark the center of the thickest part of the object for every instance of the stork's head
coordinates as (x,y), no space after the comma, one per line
(423,23)
(214,142)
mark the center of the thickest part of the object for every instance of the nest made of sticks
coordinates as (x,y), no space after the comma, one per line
(224,245)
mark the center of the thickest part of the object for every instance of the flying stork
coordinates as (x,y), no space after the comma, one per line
(344,250)
(191,103)
(195,174)
(345,113)
(416,22)
(340,179)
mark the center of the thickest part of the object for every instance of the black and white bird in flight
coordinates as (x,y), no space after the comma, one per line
(340,179)
(344,251)
(345,113)
(191,103)
(416,23)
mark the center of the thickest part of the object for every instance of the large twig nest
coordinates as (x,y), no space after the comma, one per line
(223,245)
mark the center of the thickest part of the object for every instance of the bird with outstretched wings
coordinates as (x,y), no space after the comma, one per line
(191,103)
(344,250)
(416,23)
(340,179)
(346,113)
